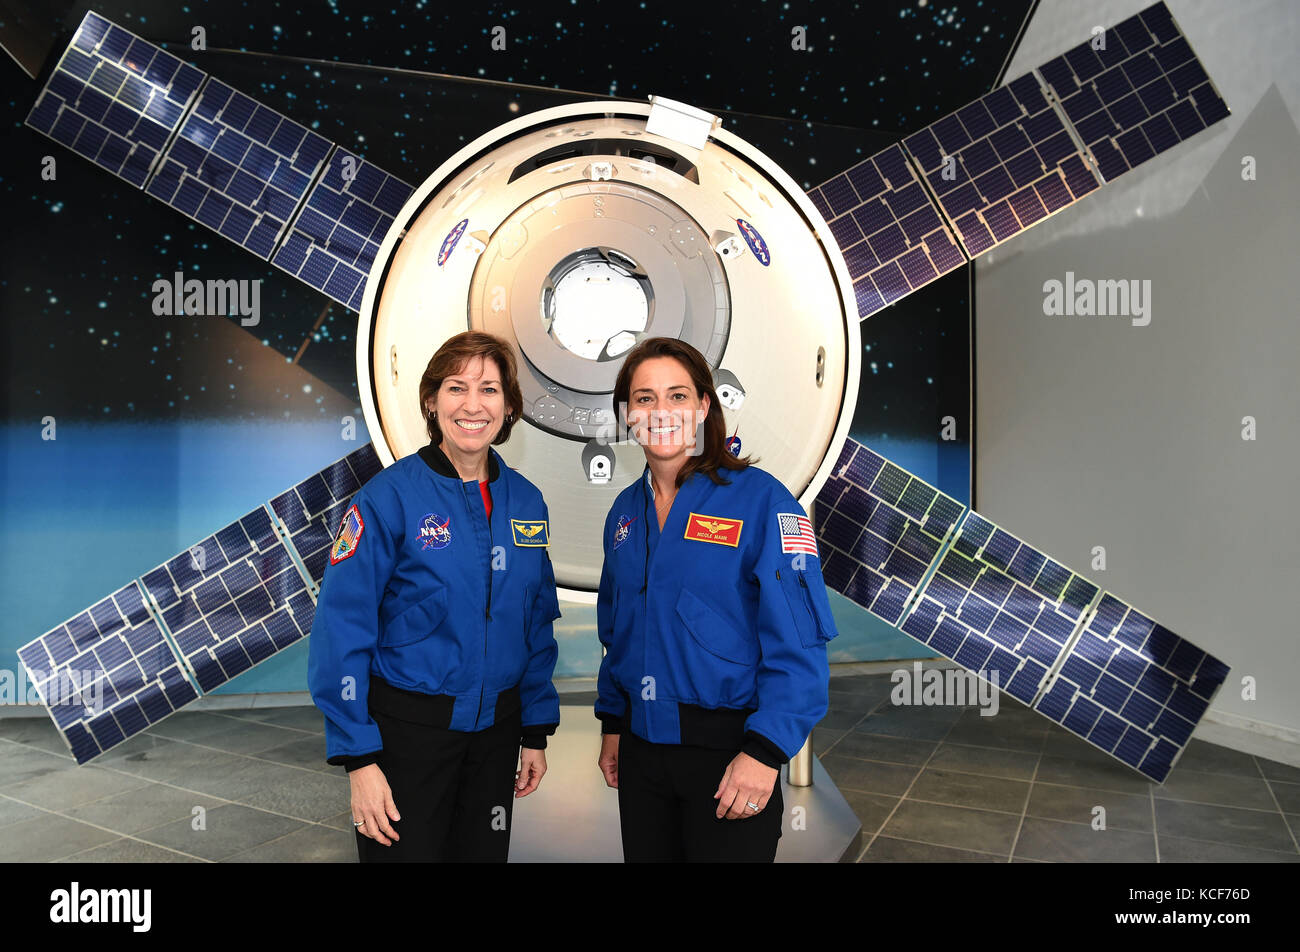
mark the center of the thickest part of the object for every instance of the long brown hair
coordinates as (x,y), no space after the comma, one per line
(451,359)
(714,455)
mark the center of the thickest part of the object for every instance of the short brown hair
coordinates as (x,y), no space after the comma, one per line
(714,455)
(451,359)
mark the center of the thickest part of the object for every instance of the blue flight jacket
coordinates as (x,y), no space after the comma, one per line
(715,629)
(423,591)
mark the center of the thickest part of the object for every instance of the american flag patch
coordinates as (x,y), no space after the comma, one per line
(796,533)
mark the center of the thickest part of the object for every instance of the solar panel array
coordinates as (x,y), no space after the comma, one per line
(997,604)
(231,601)
(106,674)
(1135,91)
(115,99)
(1016,156)
(194,622)
(892,238)
(1133,688)
(879,529)
(337,234)
(1001,164)
(974,593)
(239,168)
(250,174)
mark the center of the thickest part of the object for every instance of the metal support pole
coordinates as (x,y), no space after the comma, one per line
(801,769)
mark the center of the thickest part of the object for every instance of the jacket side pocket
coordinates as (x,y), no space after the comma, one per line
(417,622)
(811,620)
(713,633)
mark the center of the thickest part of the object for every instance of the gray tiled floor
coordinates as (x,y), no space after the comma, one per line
(929,784)
(1013,787)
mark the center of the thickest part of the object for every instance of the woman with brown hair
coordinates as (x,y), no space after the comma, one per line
(432,651)
(714,618)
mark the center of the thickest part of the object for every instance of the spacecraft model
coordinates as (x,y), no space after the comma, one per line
(574,232)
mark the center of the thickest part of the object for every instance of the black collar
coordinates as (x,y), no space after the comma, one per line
(437,461)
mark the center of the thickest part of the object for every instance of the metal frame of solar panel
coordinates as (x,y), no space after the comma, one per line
(1135,91)
(336,236)
(239,168)
(879,530)
(194,622)
(115,99)
(999,607)
(1131,687)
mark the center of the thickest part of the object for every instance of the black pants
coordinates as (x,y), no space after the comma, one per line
(455,792)
(667,812)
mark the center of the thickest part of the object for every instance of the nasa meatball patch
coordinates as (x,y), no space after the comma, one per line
(435,531)
(622,530)
(348,536)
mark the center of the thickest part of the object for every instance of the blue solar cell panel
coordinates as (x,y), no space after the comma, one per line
(1000,607)
(209,601)
(1135,91)
(209,613)
(1001,164)
(239,168)
(335,238)
(879,529)
(115,99)
(93,671)
(1011,614)
(893,239)
(1133,688)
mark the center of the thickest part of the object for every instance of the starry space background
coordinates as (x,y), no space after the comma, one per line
(171,427)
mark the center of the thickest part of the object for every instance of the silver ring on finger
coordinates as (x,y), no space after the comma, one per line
(752,806)
(358,823)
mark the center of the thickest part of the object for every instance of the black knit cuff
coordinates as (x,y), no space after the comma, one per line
(610,723)
(534,735)
(355,763)
(763,750)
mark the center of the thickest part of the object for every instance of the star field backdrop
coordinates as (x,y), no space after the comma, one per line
(168,428)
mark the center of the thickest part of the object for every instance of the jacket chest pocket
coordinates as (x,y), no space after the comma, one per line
(714,633)
(416,622)
(812,615)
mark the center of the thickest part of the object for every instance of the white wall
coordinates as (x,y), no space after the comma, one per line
(1091,431)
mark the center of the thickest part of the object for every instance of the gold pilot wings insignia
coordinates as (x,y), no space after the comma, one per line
(530,532)
(720,530)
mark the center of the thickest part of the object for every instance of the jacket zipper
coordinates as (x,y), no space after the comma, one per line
(487,619)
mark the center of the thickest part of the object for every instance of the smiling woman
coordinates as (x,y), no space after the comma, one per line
(714,617)
(432,651)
